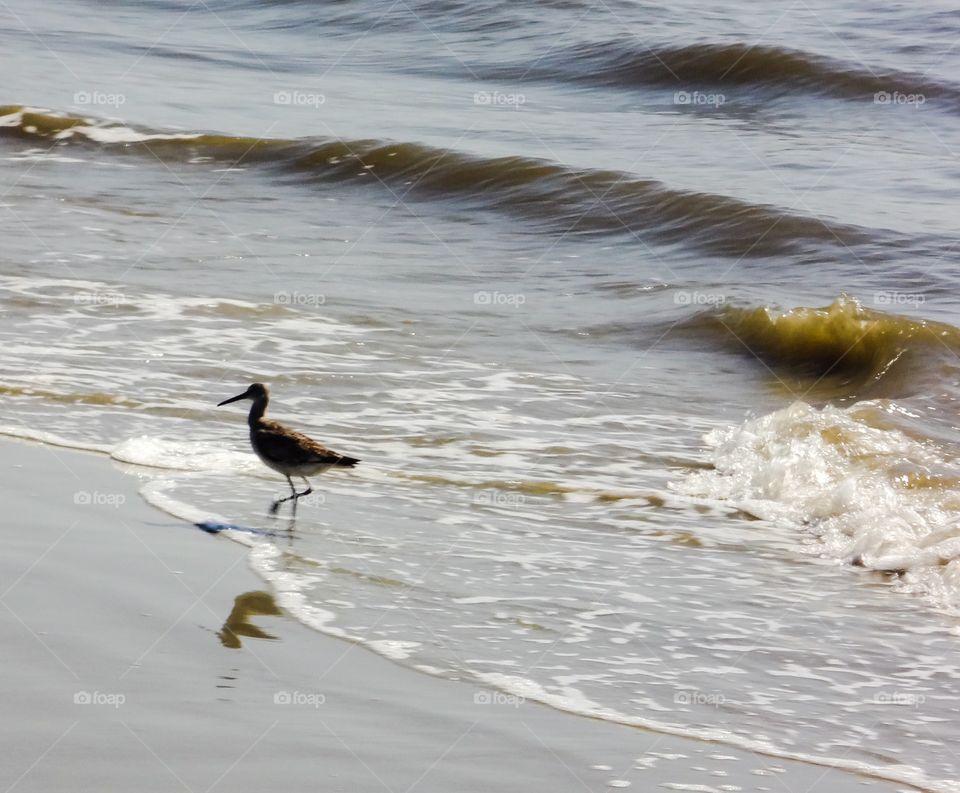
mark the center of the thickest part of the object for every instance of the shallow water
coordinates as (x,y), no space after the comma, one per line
(642,321)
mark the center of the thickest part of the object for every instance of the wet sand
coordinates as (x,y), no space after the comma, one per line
(140,653)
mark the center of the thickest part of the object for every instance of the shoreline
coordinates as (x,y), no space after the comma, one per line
(144,652)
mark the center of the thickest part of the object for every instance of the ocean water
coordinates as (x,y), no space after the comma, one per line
(643,321)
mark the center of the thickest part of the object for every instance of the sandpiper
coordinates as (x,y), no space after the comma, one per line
(285,450)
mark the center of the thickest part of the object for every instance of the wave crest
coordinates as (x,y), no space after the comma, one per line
(545,194)
(843,347)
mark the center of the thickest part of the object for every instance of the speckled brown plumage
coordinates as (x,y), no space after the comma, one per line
(286,451)
(285,447)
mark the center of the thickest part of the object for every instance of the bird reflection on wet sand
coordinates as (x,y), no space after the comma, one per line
(245,606)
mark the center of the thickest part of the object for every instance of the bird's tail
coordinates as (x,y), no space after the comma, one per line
(347,462)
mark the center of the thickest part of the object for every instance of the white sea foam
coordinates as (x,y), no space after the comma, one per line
(394,649)
(211,457)
(156,492)
(121,134)
(867,494)
(51,439)
(571,700)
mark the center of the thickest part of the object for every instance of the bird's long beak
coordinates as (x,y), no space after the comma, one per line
(232,399)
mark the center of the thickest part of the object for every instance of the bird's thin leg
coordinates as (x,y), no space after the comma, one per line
(293,494)
(309,489)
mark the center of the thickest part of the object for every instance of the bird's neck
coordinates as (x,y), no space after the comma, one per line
(257,409)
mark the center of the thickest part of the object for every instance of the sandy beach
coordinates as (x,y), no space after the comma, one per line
(142,654)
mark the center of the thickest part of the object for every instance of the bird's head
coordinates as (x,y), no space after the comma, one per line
(256,392)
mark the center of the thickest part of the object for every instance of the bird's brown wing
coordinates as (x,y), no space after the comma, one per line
(284,445)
